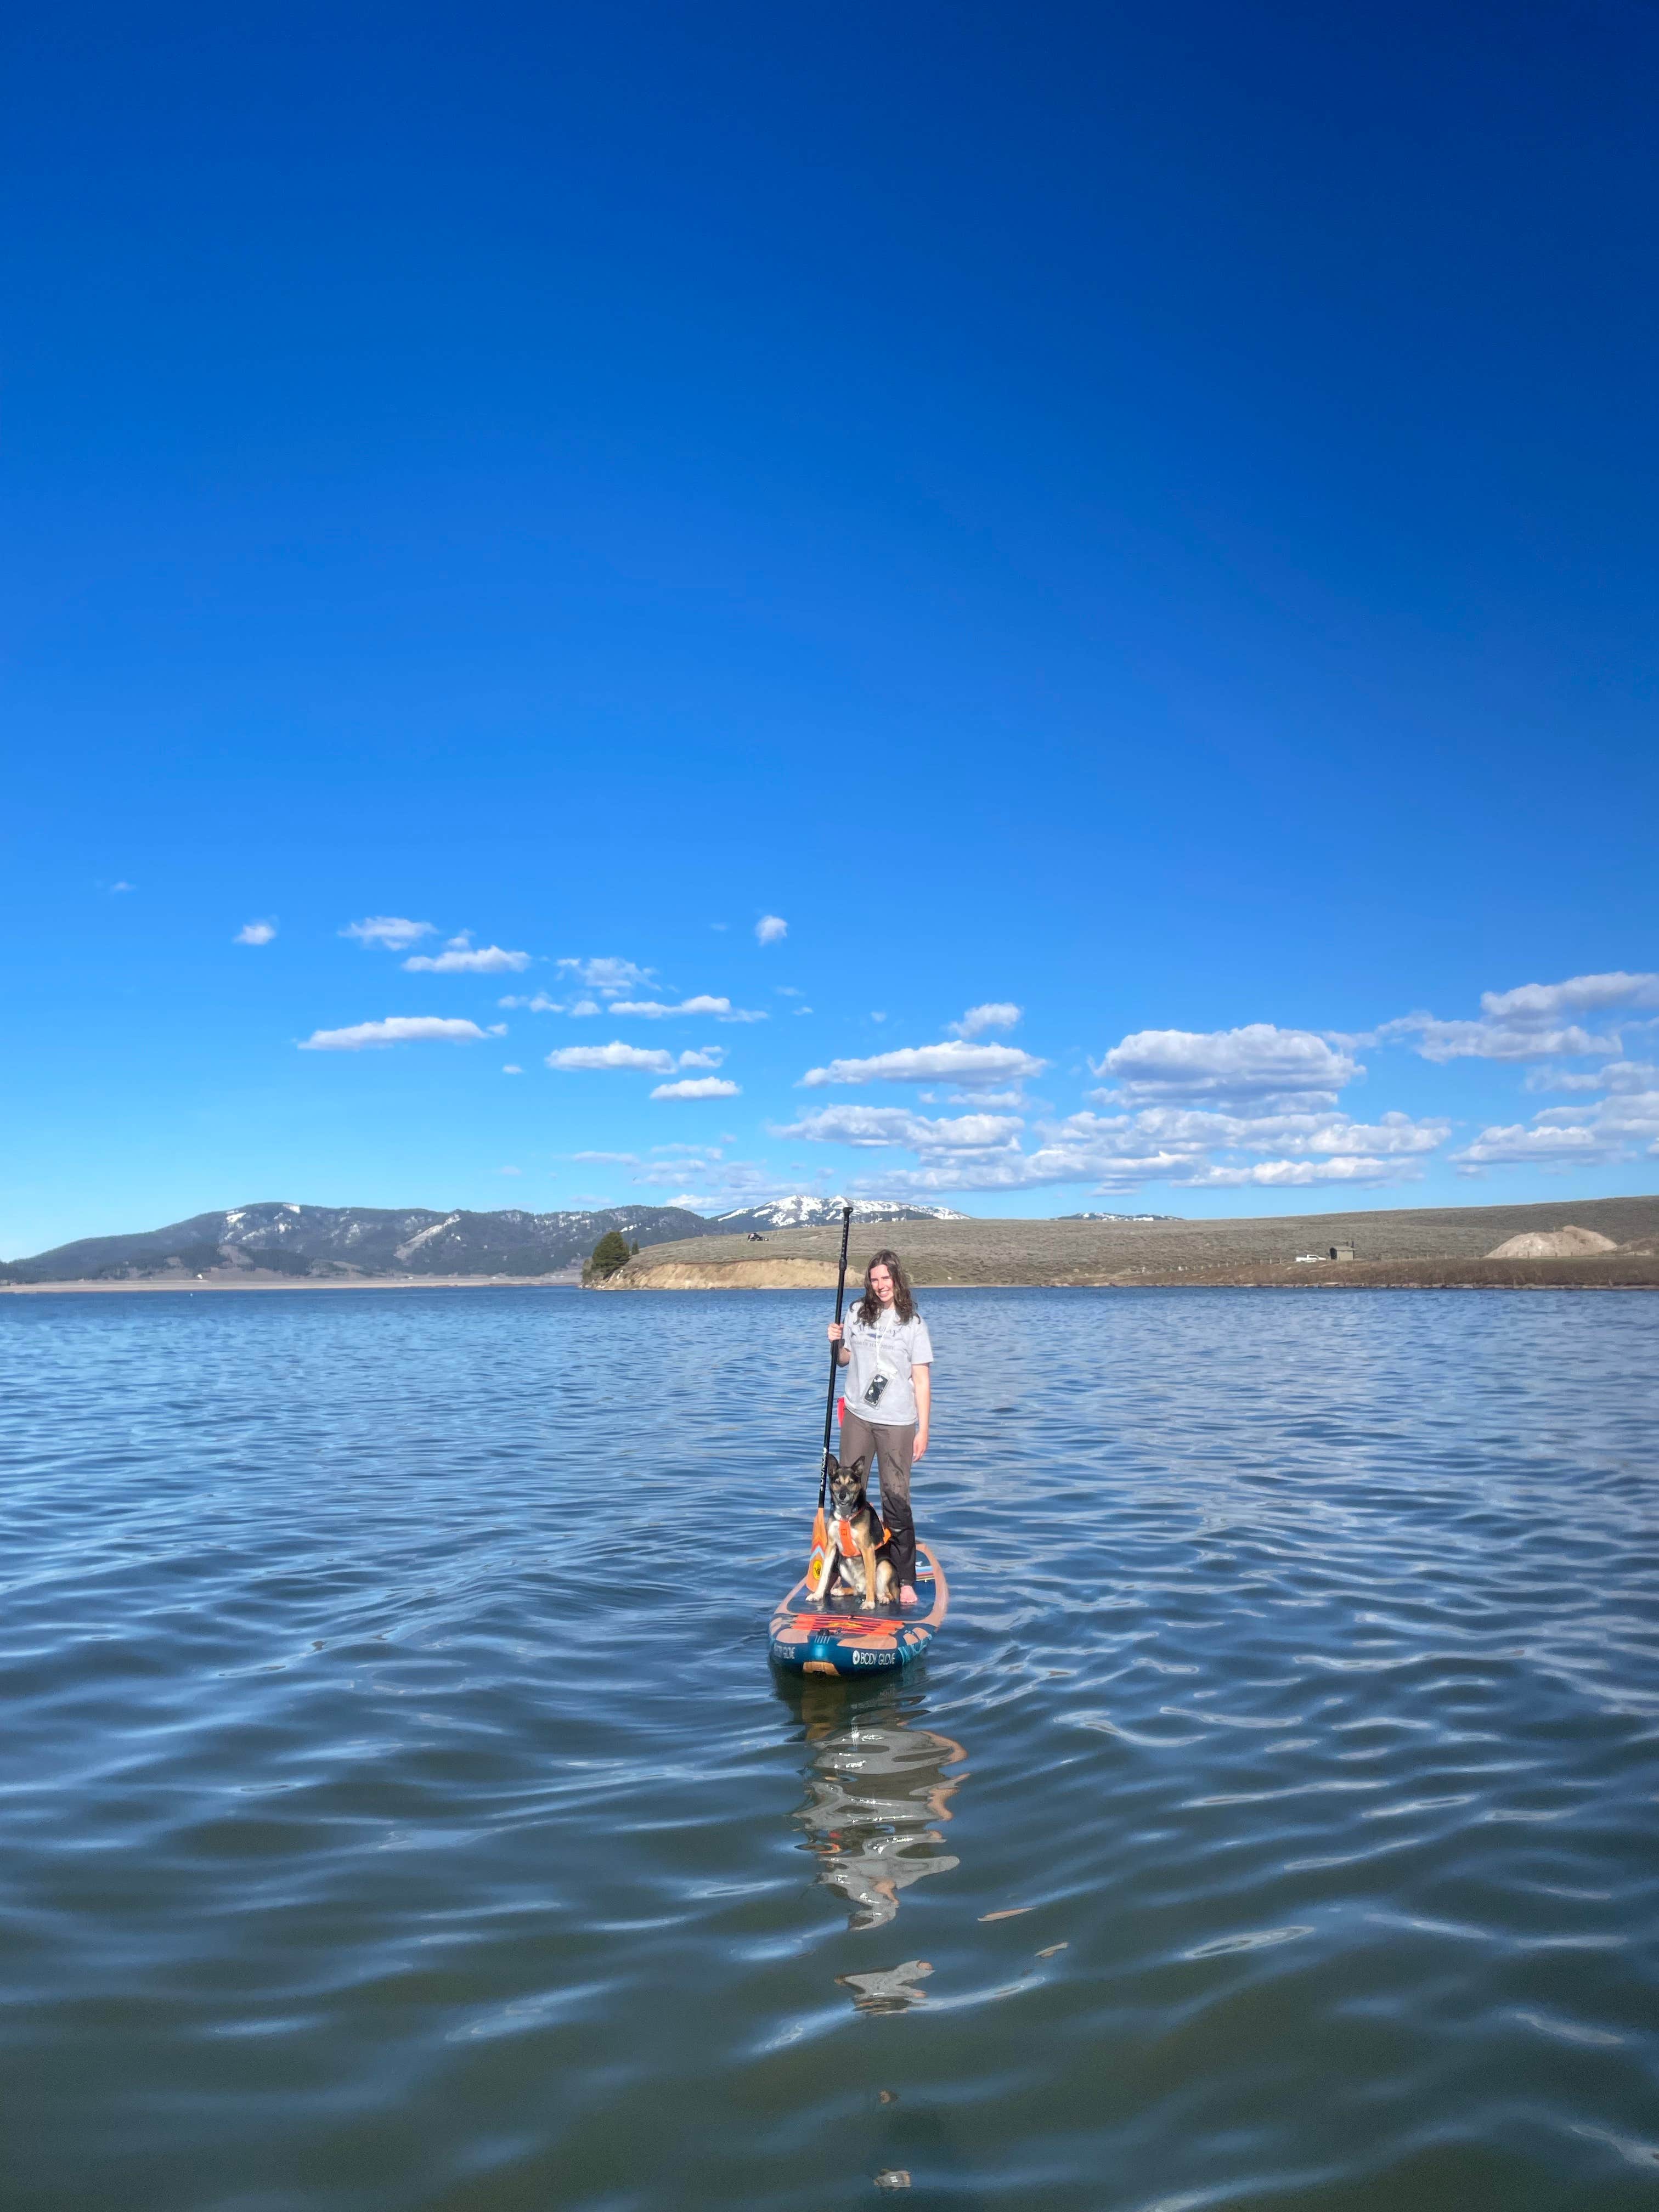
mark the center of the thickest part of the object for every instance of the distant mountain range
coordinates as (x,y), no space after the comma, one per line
(821,1212)
(347,1240)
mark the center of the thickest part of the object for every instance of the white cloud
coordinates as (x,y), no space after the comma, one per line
(701,1086)
(1533,1148)
(655,1010)
(1631,1075)
(1198,1129)
(512,1068)
(1193,1148)
(705,1182)
(461,958)
(1254,1106)
(1547,1078)
(615,1054)
(399,1028)
(1178,1146)
(611,978)
(255,932)
(971,1065)
(1621,1126)
(1536,1005)
(1532,1021)
(770,929)
(114,888)
(994,1014)
(611,1160)
(1257,1062)
(1302,1175)
(873,1126)
(541,1003)
(1617,1075)
(711,1055)
(1475,1040)
(392,931)
(1116,1176)
(1396,1134)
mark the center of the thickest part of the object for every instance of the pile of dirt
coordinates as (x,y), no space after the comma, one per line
(1568,1243)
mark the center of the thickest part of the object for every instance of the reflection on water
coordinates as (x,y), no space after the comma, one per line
(877,1794)
(890,1990)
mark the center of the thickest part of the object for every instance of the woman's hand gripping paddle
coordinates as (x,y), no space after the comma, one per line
(823,1557)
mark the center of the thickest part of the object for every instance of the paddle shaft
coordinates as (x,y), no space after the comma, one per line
(835,1357)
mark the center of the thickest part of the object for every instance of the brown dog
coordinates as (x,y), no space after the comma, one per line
(867,1572)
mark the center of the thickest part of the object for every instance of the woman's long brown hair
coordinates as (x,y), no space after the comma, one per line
(904,1304)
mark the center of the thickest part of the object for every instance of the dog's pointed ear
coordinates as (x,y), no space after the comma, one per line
(834,1467)
(857,1469)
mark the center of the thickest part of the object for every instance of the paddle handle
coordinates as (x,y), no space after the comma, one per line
(834,1355)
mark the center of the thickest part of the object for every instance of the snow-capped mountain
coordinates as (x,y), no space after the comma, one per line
(800,1212)
(1117,1216)
(335,1240)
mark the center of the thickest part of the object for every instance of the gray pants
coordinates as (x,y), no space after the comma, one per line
(889,1447)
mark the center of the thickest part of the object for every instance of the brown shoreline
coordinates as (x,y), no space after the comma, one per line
(1492,1275)
(249,1281)
(1466,1275)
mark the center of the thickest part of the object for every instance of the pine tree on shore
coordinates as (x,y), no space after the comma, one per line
(609,1254)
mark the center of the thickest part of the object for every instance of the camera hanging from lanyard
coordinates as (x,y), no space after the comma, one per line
(883,1374)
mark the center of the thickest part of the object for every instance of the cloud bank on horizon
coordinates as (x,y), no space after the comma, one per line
(1258,1106)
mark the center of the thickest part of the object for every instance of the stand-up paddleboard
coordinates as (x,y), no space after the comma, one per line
(840,1636)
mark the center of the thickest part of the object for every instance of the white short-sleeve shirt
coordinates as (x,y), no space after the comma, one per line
(892,1347)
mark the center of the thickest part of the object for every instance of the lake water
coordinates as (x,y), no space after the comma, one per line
(399,1810)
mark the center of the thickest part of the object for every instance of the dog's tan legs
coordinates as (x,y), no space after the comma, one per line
(868,1554)
(822,1590)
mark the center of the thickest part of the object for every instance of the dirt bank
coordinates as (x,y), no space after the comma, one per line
(1619,1274)
(724,1275)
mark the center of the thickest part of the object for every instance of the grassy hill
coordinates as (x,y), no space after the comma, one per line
(1420,1243)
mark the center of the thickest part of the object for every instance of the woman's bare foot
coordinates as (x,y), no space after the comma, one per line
(908,1595)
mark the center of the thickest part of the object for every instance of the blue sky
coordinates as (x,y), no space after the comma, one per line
(1142,518)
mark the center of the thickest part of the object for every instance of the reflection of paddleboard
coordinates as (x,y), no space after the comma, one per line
(842,1637)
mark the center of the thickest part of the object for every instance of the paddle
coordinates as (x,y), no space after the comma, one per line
(818,1572)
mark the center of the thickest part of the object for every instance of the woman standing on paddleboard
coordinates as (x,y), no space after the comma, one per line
(890,1397)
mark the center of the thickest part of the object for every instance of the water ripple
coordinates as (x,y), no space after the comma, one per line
(399,1811)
